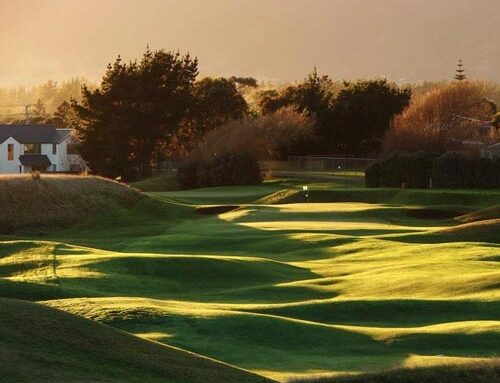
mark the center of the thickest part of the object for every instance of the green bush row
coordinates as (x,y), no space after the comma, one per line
(424,170)
(220,170)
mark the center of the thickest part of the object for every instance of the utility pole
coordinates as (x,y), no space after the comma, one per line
(26,112)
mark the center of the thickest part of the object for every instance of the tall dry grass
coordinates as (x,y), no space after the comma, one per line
(55,201)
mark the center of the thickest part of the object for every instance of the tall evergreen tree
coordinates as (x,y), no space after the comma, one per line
(137,106)
(460,76)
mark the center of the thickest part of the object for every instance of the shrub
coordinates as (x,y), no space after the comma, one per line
(431,121)
(229,155)
(372,175)
(450,171)
(414,169)
(454,170)
(220,170)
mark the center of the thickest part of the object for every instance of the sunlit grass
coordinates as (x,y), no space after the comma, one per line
(284,290)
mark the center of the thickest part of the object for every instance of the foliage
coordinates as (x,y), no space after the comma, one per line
(244,142)
(48,96)
(442,119)
(271,136)
(136,107)
(225,168)
(217,101)
(450,170)
(362,113)
(453,170)
(413,169)
(144,112)
(352,119)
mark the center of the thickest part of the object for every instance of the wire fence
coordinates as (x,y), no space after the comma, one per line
(320,164)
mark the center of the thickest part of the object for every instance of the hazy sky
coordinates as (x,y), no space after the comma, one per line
(277,40)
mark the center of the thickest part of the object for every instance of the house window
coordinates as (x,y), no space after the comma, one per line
(54,149)
(54,168)
(33,149)
(10,152)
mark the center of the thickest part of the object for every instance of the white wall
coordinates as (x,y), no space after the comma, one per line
(61,159)
(7,166)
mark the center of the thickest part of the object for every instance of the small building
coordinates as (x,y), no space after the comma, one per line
(492,151)
(33,147)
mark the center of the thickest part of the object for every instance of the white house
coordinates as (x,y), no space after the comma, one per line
(45,148)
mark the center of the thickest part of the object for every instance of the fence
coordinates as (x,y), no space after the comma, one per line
(328,164)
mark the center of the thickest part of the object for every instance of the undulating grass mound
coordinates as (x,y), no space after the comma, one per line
(478,231)
(39,343)
(55,201)
(479,372)
(283,290)
(388,196)
(162,183)
(492,212)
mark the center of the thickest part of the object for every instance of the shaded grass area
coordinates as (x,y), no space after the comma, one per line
(283,290)
(162,183)
(480,372)
(38,343)
(392,196)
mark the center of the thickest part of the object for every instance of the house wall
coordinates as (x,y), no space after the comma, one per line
(7,166)
(61,159)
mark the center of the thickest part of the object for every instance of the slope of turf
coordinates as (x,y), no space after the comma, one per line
(57,200)
(284,290)
(38,344)
(479,372)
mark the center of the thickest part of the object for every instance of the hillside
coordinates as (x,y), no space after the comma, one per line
(38,343)
(57,200)
(480,372)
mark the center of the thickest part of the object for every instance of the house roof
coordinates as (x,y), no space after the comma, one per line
(34,159)
(33,134)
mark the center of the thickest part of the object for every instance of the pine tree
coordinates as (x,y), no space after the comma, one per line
(460,76)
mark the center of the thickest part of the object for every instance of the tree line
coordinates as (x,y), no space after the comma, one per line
(157,108)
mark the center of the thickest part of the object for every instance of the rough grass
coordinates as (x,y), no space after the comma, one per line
(283,290)
(56,201)
(38,343)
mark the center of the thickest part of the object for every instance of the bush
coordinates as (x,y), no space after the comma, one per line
(431,122)
(414,169)
(220,170)
(453,170)
(450,171)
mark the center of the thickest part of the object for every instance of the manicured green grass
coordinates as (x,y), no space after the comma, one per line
(284,290)
(159,183)
(478,372)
